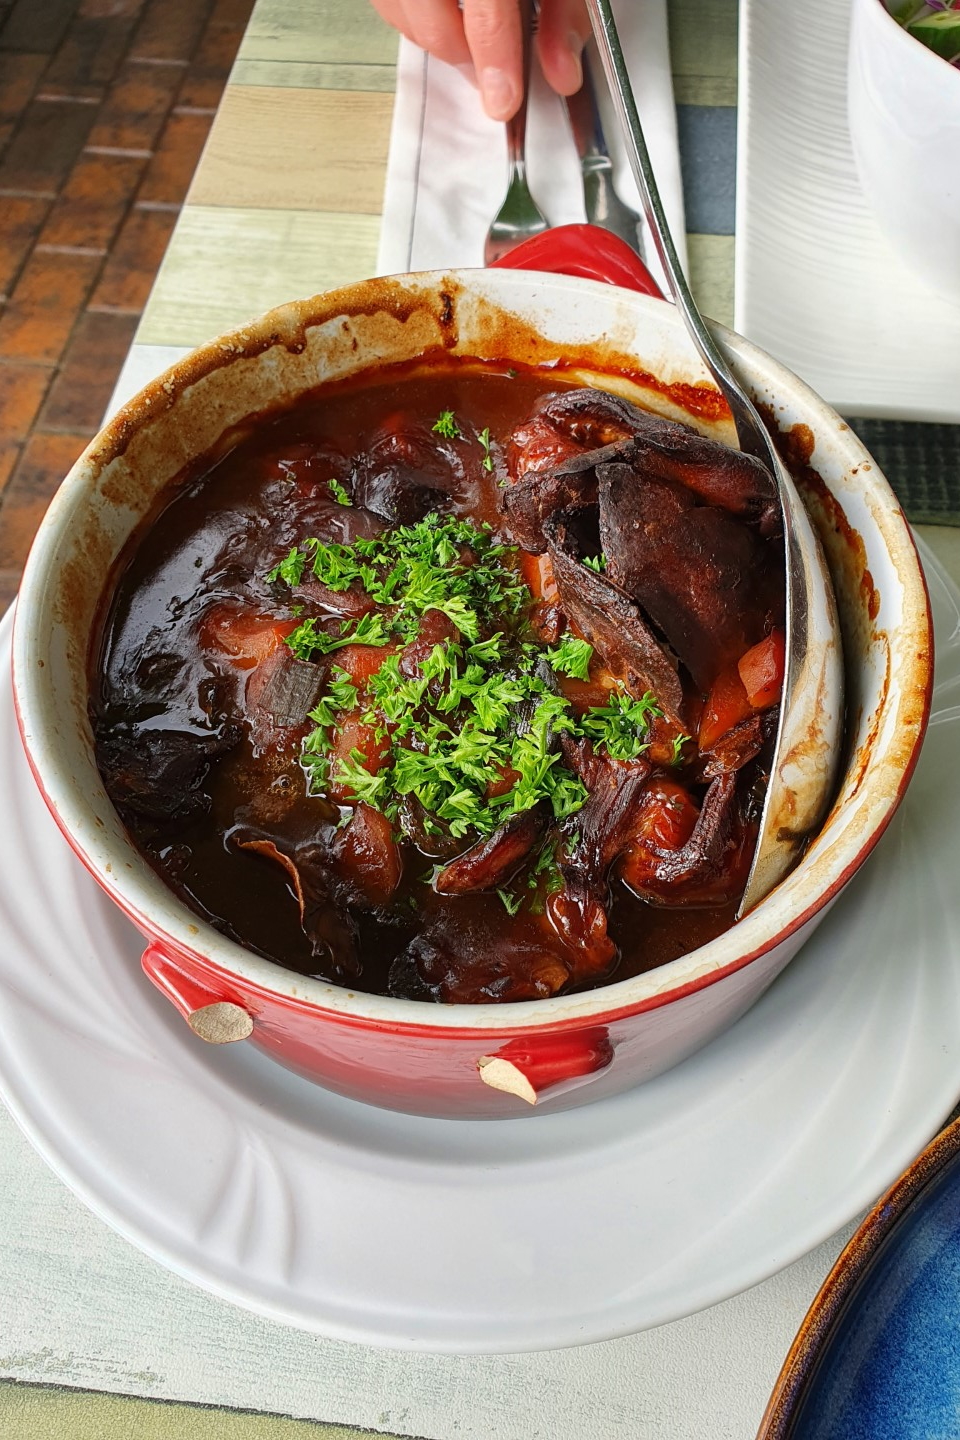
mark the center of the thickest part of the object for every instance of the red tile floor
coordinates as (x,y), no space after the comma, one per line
(104,109)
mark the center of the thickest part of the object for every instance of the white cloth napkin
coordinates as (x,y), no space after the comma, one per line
(447,168)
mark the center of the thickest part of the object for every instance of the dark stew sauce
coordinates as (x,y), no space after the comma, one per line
(455,686)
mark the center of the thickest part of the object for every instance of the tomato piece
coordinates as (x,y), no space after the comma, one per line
(588,694)
(506,781)
(727,704)
(361,661)
(246,636)
(667,819)
(669,815)
(368,854)
(537,445)
(761,670)
(354,735)
(537,572)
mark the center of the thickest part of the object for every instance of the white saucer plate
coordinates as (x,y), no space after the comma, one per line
(479,1237)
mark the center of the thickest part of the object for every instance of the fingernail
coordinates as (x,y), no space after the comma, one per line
(500,98)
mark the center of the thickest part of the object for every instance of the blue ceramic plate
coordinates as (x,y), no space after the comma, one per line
(878,1355)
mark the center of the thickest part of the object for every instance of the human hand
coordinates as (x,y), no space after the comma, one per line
(483,38)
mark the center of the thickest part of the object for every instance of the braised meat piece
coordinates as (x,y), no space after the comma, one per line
(590,420)
(159,774)
(577,916)
(604,826)
(476,964)
(696,571)
(683,526)
(616,627)
(335,876)
(496,859)
(587,846)
(329,927)
(405,474)
(541,493)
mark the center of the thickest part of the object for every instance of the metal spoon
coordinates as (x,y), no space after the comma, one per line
(807,749)
(519,216)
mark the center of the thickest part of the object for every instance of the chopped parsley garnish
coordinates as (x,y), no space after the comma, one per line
(511,903)
(621,725)
(446,425)
(572,657)
(290,570)
(412,569)
(478,710)
(596,562)
(484,439)
(338,493)
(308,641)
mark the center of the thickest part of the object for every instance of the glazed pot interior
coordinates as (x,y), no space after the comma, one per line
(627,342)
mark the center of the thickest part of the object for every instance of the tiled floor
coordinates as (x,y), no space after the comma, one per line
(104,108)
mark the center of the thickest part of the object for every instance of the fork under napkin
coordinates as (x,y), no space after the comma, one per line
(447,167)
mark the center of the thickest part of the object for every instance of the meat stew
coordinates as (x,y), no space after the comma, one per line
(457,686)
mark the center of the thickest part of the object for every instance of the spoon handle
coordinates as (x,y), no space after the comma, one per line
(750,431)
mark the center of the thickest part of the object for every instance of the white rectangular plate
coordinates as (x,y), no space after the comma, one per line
(816,283)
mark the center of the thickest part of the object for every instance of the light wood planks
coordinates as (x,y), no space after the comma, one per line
(334,32)
(278,148)
(314,75)
(703,48)
(224,265)
(711,274)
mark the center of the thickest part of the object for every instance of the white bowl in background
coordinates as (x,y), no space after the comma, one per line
(903,109)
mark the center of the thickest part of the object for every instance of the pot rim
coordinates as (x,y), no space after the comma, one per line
(156,911)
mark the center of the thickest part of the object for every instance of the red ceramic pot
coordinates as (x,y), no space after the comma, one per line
(487,1060)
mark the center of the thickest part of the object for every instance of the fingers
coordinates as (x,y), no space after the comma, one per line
(492,28)
(564,30)
(434,25)
(486,34)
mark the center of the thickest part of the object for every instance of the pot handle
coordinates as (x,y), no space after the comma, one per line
(213,1017)
(528,1068)
(586,251)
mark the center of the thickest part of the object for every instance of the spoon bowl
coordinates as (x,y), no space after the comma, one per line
(807,747)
